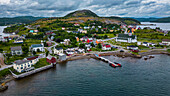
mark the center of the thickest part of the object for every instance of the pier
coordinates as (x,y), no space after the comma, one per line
(112,64)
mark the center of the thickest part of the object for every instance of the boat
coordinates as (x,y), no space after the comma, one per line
(112,65)
(119,65)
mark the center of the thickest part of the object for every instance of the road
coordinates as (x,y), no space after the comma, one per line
(49,48)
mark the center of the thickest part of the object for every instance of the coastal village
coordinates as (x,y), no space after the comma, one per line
(39,46)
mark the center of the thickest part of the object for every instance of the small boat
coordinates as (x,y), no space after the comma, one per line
(112,65)
(119,65)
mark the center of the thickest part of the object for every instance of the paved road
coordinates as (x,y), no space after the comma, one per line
(49,48)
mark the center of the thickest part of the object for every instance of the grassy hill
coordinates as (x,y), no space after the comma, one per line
(82,13)
(21,19)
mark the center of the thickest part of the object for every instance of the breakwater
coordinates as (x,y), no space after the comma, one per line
(31,72)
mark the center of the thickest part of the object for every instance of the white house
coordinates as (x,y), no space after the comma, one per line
(106,47)
(129,38)
(19,41)
(58,51)
(67,41)
(139,43)
(166,42)
(16,50)
(63,28)
(132,47)
(145,44)
(62,57)
(86,27)
(88,46)
(25,64)
(36,47)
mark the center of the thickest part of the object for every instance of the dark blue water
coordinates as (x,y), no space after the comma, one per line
(89,77)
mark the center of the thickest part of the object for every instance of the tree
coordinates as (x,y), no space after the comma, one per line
(1,50)
(92,44)
(99,46)
(25,48)
(105,37)
(34,52)
(38,50)
(47,53)
(82,46)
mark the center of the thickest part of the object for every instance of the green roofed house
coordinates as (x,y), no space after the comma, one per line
(36,47)
(129,38)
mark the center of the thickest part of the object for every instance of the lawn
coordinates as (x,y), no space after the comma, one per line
(4,73)
(41,63)
(14,58)
(109,35)
(7,45)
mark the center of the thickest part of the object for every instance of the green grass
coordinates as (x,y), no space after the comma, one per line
(168,50)
(109,35)
(7,45)
(14,58)
(100,50)
(123,44)
(14,71)
(41,63)
(4,73)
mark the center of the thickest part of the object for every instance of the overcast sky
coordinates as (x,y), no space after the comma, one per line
(58,8)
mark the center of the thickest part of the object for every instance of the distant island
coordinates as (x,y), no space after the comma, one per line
(20,19)
(158,20)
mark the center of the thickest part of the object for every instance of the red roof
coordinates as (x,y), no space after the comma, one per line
(32,58)
(5,37)
(107,46)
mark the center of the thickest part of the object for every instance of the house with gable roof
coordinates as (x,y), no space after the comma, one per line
(129,38)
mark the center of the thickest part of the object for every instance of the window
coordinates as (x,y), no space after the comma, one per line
(18,53)
(21,67)
(17,68)
(28,65)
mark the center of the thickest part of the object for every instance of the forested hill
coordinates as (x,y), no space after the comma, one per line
(163,20)
(151,19)
(21,19)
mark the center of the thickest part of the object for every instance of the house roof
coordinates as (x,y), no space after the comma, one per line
(126,36)
(18,62)
(167,40)
(16,48)
(132,46)
(36,45)
(32,57)
(145,42)
(50,57)
(59,48)
(106,45)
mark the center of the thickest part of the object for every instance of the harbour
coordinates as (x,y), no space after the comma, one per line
(82,77)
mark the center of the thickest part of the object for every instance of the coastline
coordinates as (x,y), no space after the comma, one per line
(9,78)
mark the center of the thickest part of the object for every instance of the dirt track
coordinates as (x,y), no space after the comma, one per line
(2,64)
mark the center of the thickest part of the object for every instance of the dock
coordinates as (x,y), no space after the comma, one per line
(112,64)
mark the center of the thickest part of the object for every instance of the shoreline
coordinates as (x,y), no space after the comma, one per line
(9,78)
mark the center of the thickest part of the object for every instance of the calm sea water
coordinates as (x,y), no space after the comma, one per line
(90,77)
(163,26)
(1,31)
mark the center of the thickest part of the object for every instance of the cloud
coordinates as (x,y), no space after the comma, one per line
(56,8)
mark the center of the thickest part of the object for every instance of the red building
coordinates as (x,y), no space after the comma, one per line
(51,59)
